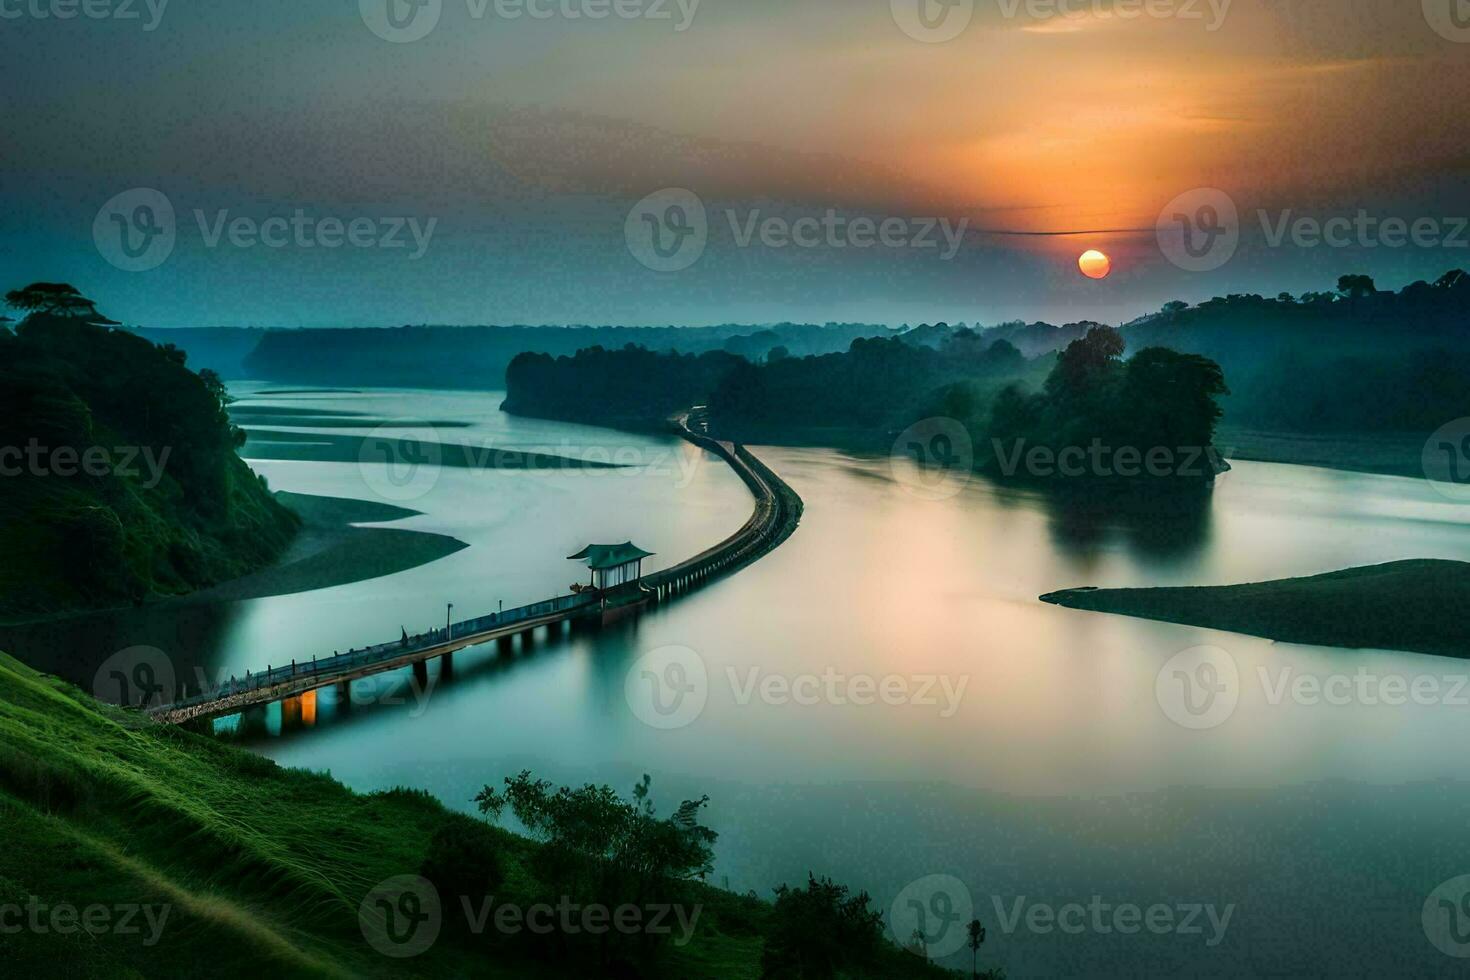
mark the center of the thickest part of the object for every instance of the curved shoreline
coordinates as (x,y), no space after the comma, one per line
(775,516)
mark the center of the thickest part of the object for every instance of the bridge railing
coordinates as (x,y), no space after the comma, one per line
(344,663)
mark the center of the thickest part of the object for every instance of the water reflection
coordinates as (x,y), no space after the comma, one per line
(190,634)
(409,691)
(1162,527)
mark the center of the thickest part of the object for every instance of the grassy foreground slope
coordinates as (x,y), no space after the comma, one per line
(1406,605)
(262,869)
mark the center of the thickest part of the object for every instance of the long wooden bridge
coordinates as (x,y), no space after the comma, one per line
(776,514)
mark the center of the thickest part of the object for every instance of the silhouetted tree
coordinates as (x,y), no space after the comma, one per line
(820,932)
(604,849)
(974,938)
(55,298)
(1356,287)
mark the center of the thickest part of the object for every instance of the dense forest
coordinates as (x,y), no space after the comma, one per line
(1151,416)
(121,478)
(877,385)
(1291,359)
(1010,407)
(1355,359)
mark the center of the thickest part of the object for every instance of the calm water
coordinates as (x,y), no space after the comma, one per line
(1025,754)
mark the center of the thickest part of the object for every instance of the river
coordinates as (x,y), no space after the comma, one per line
(885,701)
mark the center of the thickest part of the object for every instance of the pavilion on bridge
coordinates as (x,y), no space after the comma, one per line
(613,565)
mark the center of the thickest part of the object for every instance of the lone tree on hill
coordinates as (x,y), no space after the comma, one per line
(1356,287)
(56,299)
(974,938)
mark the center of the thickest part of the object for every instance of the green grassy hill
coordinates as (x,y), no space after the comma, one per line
(263,869)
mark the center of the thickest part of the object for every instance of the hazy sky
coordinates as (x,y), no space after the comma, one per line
(508,152)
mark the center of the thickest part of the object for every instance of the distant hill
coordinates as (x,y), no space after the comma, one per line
(121,478)
(219,349)
(477,357)
(1354,360)
(1031,339)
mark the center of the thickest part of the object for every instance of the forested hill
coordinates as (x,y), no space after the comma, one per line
(1349,360)
(121,480)
(222,350)
(1352,360)
(477,357)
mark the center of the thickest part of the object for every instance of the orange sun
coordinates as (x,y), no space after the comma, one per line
(1095,264)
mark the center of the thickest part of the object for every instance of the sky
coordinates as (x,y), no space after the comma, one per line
(379,162)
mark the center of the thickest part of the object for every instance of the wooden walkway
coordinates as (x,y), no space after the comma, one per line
(776,514)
